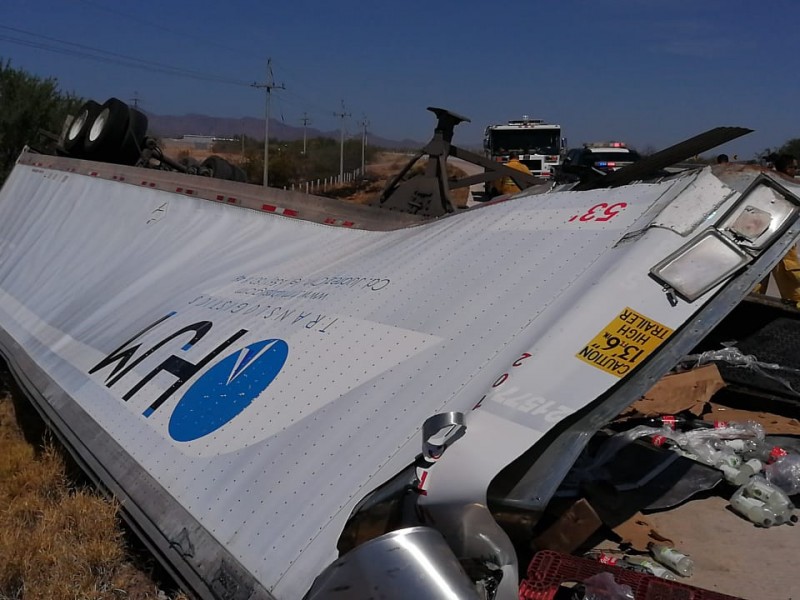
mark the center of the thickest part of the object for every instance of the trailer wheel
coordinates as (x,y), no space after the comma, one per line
(191,164)
(219,167)
(238,174)
(107,131)
(133,141)
(75,137)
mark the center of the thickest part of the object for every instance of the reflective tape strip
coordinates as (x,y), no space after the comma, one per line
(421,485)
(339,222)
(288,212)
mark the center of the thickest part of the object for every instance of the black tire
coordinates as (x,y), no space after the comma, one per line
(75,136)
(219,167)
(133,142)
(238,174)
(191,164)
(189,161)
(106,134)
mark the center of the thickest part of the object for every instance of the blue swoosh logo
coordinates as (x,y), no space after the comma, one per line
(226,389)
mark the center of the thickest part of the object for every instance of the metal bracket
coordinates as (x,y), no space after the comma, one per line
(439,431)
(428,194)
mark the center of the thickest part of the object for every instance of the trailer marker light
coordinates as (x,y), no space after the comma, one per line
(762,213)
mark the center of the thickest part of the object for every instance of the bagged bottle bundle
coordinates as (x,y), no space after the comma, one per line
(766,453)
(785,473)
(763,503)
(652,567)
(602,586)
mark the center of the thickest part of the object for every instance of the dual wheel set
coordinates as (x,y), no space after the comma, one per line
(114,132)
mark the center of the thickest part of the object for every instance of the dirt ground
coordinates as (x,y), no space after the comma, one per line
(731,555)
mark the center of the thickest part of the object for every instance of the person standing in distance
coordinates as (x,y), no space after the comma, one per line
(506,185)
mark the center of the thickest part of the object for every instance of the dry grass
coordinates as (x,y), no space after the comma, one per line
(58,539)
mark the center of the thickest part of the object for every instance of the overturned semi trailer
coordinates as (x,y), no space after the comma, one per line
(296,397)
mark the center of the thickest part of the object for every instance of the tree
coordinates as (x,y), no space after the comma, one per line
(28,104)
(792,147)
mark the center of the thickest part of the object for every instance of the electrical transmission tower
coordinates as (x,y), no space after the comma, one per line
(364,124)
(342,116)
(269,85)
(305,120)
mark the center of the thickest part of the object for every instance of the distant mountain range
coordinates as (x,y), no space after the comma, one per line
(177,126)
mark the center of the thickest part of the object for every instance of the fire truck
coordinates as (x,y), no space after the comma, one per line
(538,144)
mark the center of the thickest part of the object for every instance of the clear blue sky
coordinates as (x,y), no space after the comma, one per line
(649,72)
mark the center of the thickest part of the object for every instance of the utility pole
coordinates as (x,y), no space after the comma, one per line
(341,115)
(305,121)
(269,85)
(364,124)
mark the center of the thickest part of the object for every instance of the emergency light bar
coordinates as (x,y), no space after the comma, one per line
(606,145)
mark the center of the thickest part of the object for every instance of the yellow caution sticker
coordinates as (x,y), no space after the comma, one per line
(624,343)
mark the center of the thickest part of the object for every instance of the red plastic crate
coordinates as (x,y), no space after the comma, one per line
(549,569)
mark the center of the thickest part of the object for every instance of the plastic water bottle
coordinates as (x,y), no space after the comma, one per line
(742,475)
(669,557)
(770,494)
(653,568)
(763,503)
(755,511)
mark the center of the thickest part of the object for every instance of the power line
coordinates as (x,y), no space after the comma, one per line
(97,54)
(155,25)
(67,48)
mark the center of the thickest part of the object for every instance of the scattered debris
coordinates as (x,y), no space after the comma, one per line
(688,437)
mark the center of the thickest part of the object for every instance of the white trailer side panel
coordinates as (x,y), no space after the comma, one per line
(265,373)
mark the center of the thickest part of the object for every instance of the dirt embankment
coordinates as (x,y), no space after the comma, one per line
(379,173)
(362,190)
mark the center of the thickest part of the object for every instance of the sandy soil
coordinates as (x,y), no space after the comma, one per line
(731,555)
